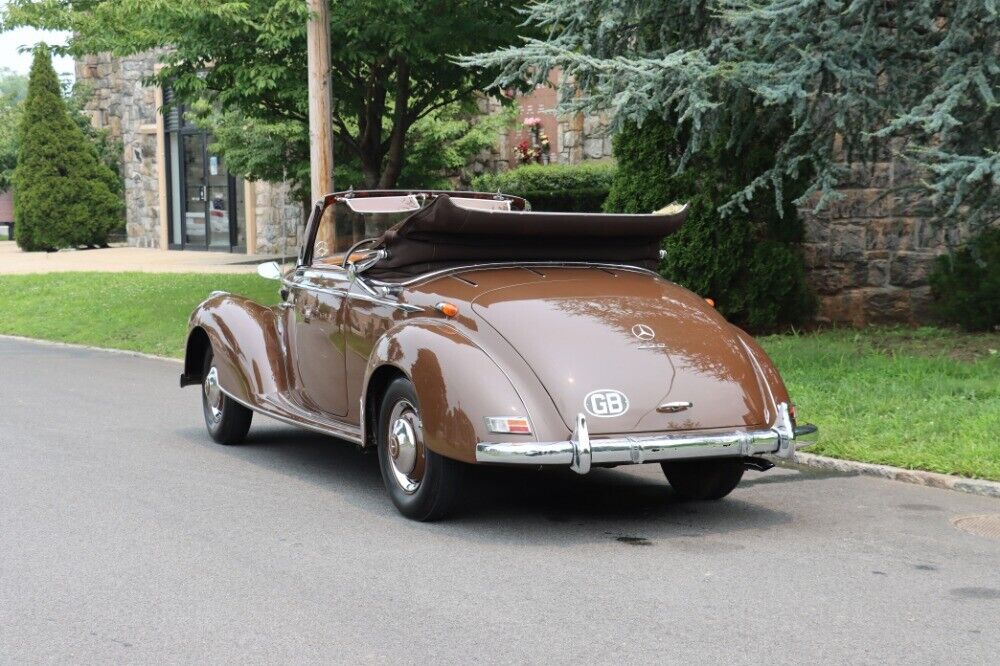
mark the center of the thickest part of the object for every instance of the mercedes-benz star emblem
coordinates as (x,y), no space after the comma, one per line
(643,332)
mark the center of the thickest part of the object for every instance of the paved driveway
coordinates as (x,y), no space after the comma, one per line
(127,536)
(117,259)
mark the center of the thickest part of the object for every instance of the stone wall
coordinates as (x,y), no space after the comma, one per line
(279,219)
(121,103)
(583,137)
(868,255)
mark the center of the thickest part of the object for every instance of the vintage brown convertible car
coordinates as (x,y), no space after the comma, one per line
(451,328)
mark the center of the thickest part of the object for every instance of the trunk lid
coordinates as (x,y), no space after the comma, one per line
(617,344)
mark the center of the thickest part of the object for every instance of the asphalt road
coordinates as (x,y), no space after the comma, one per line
(127,536)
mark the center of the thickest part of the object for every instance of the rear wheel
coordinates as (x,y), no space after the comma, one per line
(422,484)
(227,420)
(704,479)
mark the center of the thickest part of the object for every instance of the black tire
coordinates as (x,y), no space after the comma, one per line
(227,421)
(423,485)
(704,479)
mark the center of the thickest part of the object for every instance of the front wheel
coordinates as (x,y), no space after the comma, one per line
(422,484)
(703,479)
(227,420)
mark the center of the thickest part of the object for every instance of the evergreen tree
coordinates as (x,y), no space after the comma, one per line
(63,195)
(856,78)
(747,262)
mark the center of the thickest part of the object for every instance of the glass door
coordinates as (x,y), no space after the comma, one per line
(195,192)
(208,218)
(220,232)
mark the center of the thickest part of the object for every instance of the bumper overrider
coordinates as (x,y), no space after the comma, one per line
(580,452)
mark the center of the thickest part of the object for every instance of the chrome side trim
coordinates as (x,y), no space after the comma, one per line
(346,293)
(338,429)
(581,451)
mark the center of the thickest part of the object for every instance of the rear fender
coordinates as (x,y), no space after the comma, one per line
(247,343)
(767,374)
(457,385)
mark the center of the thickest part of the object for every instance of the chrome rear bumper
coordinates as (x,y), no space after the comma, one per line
(580,452)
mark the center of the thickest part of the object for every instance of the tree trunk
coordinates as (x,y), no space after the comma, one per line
(400,124)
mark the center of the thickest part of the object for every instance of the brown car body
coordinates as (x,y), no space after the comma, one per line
(529,338)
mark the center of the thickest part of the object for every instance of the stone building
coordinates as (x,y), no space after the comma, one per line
(178,195)
(868,256)
(174,184)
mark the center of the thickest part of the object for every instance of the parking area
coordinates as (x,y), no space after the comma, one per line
(129,536)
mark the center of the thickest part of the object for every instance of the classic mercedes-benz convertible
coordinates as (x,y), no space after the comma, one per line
(455,328)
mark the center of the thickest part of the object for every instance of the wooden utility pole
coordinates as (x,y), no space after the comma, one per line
(320,132)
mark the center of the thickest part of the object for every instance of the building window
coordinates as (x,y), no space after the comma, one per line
(205,201)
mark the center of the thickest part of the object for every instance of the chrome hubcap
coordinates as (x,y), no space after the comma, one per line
(404,445)
(213,393)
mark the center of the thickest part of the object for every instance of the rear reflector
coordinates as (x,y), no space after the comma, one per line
(512,425)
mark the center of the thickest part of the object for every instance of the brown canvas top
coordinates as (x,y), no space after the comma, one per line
(444,235)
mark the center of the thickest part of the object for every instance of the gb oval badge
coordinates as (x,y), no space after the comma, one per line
(605,403)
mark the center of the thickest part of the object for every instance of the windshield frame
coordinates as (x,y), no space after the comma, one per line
(305,258)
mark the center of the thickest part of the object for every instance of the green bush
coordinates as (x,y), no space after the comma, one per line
(747,262)
(580,188)
(63,195)
(966,283)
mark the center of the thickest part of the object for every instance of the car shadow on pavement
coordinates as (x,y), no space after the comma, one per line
(630,505)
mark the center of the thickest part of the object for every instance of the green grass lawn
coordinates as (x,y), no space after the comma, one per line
(922,399)
(145,312)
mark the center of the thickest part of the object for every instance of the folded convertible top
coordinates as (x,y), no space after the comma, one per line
(444,235)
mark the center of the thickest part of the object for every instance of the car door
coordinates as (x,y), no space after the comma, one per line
(317,346)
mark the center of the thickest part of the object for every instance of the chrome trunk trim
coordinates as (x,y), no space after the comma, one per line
(580,452)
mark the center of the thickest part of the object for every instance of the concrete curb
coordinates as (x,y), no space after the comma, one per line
(921,478)
(72,345)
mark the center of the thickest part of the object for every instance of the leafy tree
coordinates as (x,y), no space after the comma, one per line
(63,195)
(391,64)
(13,88)
(438,146)
(855,77)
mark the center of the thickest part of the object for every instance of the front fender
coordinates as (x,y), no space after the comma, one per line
(457,385)
(247,343)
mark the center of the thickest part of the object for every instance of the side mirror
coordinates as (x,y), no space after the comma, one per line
(269,270)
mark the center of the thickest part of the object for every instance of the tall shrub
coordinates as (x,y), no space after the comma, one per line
(580,188)
(966,284)
(748,261)
(63,195)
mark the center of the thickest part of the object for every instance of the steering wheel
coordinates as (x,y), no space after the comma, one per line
(353,248)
